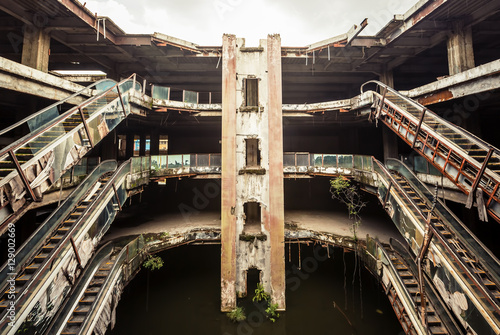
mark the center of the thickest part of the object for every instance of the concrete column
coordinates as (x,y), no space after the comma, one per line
(460,48)
(389,138)
(154,148)
(228,196)
(109,146)
(252,193)
(129,147)
(36,48)
(276,189)
(142,147)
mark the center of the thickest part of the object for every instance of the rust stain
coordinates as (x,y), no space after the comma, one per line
(228,197)
(433,98)
(276,198)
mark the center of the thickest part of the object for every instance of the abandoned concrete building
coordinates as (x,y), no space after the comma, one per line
(237,146)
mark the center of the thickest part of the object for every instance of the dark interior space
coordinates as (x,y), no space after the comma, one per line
(426,68)
(361,139)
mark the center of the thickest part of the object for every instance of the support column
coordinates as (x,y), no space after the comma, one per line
(109,146)
(154,144)
(460,48)
(228,197)
(276,189)
(36,48)
(389,138)
(142,145)
(129,147)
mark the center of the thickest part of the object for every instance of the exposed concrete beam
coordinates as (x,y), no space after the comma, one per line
(480,79)
(24,79)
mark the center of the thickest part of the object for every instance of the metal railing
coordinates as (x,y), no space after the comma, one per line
(100,212)
(112,104)
(459,155)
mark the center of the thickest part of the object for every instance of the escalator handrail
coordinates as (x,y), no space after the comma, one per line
(449,212)
(474,277)
(55,104)
(63,243)
(402,287)
(60,118)
(478,141)
(120,258)
(5,268)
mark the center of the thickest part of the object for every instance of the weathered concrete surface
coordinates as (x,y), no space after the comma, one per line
(228,197)
(460,48)
(36,48)
(275,225)
(24,79)
(480,79)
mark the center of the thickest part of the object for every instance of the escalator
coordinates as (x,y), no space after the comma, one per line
(402,288)
(457,262)
(469,162)
(56,142)
(81,313)
(51,260)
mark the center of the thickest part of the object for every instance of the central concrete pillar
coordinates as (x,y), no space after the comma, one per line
(36,48)
(460,48)
(252,169)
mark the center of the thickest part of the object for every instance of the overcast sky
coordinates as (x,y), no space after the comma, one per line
(300,22)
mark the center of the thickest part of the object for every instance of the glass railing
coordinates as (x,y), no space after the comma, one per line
(461,232)
(99,215)
(430,117)
(57,145)
(379,253)
(38,238)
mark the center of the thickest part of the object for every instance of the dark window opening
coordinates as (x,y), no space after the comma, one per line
(252,152)
(252,92)
(252,217)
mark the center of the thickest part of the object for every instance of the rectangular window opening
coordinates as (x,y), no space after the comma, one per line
(252,217)
(252,152)
(252,92)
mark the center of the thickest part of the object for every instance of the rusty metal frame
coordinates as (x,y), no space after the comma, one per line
(381,104)
(86,126)
(418,128)
(391,117)
(470,198)
(22,176)
(472,276)
(76,252)
(117,197)
(121,100)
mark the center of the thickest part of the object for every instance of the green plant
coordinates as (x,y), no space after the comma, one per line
(342,190)
(260,293)
(165,235)
(237,314)
(153,263)
(271,312)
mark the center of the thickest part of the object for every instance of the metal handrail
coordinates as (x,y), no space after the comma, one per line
(474,277)
(50,258)
(58,119)
(449,212)
(402,287)
(5,268)
(108,281)
(60,102)
(480,142)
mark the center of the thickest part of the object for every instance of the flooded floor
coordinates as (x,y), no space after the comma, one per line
(324,297)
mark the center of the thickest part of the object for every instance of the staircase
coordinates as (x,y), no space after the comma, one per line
(40,257)
(83,308)
(434,324)
(33,163)
(469,162)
